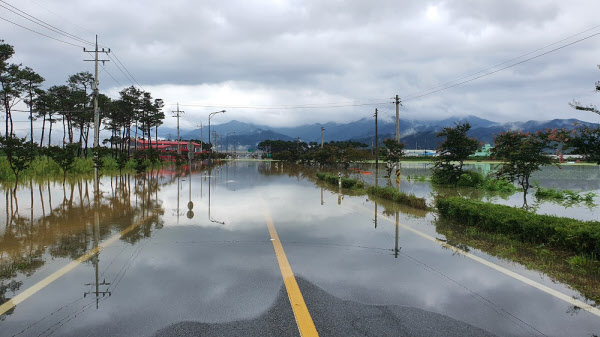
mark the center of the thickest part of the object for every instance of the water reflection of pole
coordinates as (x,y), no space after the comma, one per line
(190,205)
(375,221)
(209,188)
(322,196)
(396,244)
(178,189)
(96,234)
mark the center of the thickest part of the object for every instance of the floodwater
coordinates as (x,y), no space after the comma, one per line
(578,178)
(192,246)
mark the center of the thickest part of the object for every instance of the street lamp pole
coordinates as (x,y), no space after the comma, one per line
(209,117)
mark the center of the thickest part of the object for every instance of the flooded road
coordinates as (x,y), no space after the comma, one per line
(195,252)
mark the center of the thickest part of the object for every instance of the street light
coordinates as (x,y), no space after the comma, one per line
(209,117)
(227,138)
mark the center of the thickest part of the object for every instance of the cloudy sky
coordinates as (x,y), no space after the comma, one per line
(257,54)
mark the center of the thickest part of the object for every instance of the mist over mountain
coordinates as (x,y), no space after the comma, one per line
(414,133)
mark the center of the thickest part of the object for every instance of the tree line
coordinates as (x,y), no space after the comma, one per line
(134,114)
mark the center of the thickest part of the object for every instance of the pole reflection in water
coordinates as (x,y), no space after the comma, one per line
(178,190)
(396,250)
(48,233)
(322,196)
(375,221)
(190,205)
(209,188)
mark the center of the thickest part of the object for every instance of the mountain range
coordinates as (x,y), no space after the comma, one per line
(414,133)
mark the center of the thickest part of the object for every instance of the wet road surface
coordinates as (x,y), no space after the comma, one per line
(170,268)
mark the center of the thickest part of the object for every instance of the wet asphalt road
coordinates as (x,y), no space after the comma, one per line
(334,317)
(215,273)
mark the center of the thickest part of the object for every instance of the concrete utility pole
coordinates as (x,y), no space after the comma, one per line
(178,139)
(398,103)
(376,149)
(96,93)
(322,130)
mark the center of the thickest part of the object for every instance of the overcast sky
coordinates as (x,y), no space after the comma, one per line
(273,53)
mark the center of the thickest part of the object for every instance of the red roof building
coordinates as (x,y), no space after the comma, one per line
(166,145)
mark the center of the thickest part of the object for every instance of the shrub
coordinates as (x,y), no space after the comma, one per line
(470,179)
(393,194)
(6,172)
(109,163)
(82,166)
(567,195)
(43,166)
(580,237)
(334,180)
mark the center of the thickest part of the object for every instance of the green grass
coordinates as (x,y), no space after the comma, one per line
(417,177)
(477,180)
(563,195)
(578,237)
(393,194)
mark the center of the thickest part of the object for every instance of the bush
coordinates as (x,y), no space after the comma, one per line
(334,180)
(43,166)
(566,195)
(580,237)
(393,194)
(109,163)
(82,166)
(5,171)
(470,179)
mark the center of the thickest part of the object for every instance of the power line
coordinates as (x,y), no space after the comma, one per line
(284,107)
(121,63)
(111,76)
(121,70)
(42,23)
(35,31)
(501,69)
(502,63)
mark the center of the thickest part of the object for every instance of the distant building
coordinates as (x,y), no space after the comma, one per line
(485,151)
(166,145)
(419,153)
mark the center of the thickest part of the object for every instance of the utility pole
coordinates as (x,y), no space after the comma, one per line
(376,150)
(178,139)
(96,93)
(398,103)
(322,130)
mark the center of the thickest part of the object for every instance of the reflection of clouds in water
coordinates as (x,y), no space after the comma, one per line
(244,208)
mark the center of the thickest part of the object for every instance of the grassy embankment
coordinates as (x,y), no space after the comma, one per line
(566,249)
(387,193)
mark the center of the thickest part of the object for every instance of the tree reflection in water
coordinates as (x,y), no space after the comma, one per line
(36,229)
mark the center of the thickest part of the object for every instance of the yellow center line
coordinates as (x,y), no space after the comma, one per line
(591,309)
(303,319)
(22,296)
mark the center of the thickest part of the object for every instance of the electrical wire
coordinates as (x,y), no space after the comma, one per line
(502,63)
(282,107)
(42,23)
(111,76)
(121,63)
(501,69)
(35,31)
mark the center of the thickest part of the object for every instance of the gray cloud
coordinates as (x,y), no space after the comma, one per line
(310,52)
